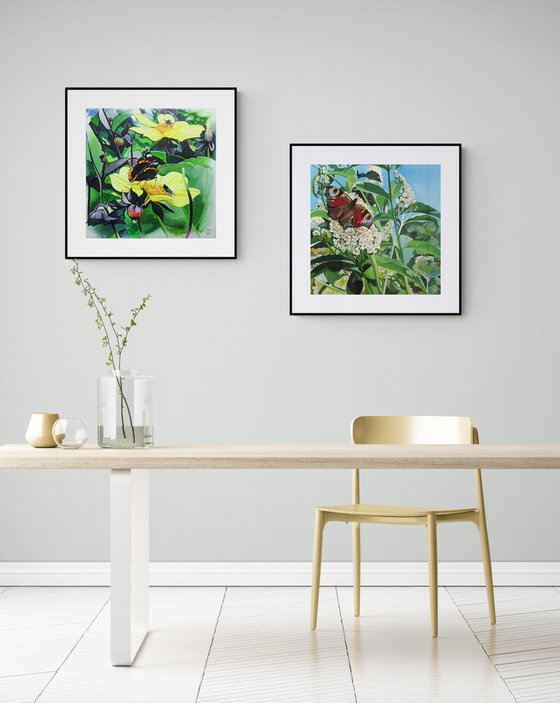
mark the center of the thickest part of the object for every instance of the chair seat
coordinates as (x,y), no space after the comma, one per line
(391,510)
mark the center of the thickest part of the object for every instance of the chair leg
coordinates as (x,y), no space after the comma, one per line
(316,573)
(433,571)
(356,563)
(487,564)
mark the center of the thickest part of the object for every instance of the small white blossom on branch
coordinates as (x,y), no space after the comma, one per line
(355,240)
(406,196)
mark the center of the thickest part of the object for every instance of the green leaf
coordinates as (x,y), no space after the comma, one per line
(161,155)
(149,223)
(355,284)
(319,213)
(104,231)
(95,150)
(350,182)
(341,170)
(103,119)
(422,207)
(119,119)
(176,222)
(423,218)
(391,264)
(383,217)
(158,210)
(115,165)
(408,254)
(334,264)
(424,248)
(395,188)
(371,288)
(421,227)
(200,173)
(332,276)
(373,188)
(317,237)
(373,175)
(332,258)
(397,266)
(202,161)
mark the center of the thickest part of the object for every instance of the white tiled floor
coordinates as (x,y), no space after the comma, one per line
(253,645)
(263,650)
(524,646)
(394,658)
(168,667)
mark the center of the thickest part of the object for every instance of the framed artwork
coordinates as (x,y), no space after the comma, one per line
(375,229)
(150,173)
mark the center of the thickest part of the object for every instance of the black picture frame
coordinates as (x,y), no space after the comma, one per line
(232,253)
(294,311)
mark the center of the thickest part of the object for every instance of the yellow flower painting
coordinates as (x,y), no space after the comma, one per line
(166,127)
(150,173)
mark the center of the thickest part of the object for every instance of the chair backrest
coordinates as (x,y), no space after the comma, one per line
(414,429)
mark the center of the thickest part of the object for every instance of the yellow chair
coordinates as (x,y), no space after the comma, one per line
(404,430)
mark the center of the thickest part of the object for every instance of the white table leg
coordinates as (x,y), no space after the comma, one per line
(129,563)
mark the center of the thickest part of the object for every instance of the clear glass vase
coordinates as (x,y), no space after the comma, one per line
(124,410)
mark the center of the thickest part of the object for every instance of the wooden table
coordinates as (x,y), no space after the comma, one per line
(130,494)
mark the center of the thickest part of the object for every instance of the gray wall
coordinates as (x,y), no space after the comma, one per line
(230,364)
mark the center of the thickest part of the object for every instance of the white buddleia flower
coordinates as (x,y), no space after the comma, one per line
(355,240)
(386,231)
(323,178)
(369,239)
(406,196)
(426,266)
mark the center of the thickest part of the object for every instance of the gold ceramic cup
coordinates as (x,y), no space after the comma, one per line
(39,431)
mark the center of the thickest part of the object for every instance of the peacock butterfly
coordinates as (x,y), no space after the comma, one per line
(344,208)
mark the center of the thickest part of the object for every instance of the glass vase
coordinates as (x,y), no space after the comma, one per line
(124,410)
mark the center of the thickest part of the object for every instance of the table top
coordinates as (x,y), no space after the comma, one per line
(287,456)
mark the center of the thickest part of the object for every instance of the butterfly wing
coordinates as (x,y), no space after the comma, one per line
(339,205)
(145,169)
(347,216)
(343,208)
(361,217)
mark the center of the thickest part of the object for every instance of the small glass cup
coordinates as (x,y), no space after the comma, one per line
(70,432)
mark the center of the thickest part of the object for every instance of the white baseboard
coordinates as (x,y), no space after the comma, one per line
(237,573)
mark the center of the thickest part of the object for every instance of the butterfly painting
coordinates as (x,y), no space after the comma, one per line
(375,233)
(147,174)
(370,235)
(147,177)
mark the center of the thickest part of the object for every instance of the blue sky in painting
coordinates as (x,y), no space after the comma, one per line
(424,179)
